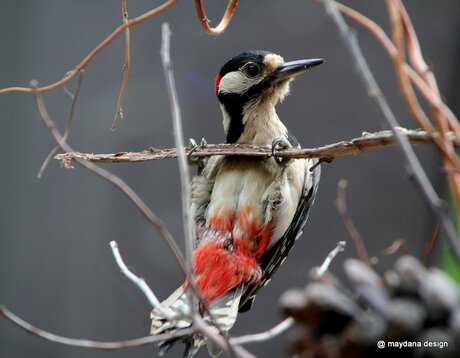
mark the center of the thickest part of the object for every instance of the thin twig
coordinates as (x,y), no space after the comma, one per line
(140,283)
(115,181)
(185,191)
(429,244)
(131,23)
(397,245)
(266,335)
(389,47)
(178,141)
(367,142)
(74,98)
(226,18)
(85,343)
(414,166)
(126,65)
(403,78)
(341,204)
(442,121)
(330,257)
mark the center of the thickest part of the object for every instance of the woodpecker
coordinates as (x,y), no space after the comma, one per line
(247,212)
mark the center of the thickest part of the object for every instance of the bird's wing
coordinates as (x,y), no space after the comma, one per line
(275,256)
(200,191)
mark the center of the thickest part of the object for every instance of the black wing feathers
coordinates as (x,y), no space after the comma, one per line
(272,259)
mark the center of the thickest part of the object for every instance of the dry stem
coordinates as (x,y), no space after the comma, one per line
(367,142)
(126,65)
(226,18)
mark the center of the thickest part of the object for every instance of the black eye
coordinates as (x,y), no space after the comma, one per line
(251,69)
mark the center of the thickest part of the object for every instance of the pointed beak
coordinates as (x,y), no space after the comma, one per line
(294,68)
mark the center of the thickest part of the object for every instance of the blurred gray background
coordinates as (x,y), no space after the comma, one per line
(56,267)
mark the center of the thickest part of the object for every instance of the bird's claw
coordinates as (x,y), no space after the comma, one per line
(199,162)
(277,144)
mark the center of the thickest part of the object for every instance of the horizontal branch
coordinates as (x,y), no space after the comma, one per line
(368,141)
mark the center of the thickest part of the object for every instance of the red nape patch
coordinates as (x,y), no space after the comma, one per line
(217,83)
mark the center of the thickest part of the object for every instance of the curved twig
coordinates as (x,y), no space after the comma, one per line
(266,335)
(74,98)
(226,18)
(340,247)
(140,283)
(131,23)
(85,343)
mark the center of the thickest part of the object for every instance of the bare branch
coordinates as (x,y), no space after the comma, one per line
(414,166)
(140,283)
(85,343)
(226,18)
(179,141)
(367,142)
(119,112)
(264,336)
(330,257)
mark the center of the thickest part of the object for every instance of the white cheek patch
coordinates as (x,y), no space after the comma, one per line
(236,82)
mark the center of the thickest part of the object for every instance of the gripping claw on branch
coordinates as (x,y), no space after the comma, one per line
(277,144)
(200,162)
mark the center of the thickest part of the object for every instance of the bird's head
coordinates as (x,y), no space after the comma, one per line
(254,81)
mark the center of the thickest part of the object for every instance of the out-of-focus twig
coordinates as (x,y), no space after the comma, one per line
(85,343)
(367,142)
(429,244)
(288,322)
(119,111)
(397,245)
(131,23)
(140,283)
(226,18)
(73,97)
(413,164)
(341,204)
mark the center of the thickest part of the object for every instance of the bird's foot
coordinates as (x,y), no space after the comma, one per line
(200,162)
(277,144)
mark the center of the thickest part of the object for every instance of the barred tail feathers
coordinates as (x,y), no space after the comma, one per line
(223,313)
